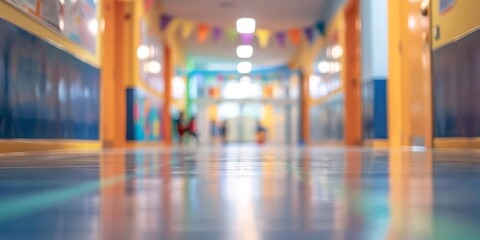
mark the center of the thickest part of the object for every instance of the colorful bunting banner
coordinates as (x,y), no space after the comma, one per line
(217,33)
(187,28)
(263,37)
(309,34)
(173,26)
(170,25)
(165,21)
(231,35)
(247,38)
(148,4)
(321,28)
(295,36)
(281,39)
(203,31)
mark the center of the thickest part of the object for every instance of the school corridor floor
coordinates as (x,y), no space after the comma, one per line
(241,192)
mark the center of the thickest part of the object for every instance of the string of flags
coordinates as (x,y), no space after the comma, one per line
(171,25)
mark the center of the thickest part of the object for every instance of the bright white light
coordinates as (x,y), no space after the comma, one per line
(412,22)
(241,90)
(244,51)
(244,67)
(62,2)
(314,83)
(61,24)
(323,67)
(178,87)
(93,26)
(245,80)
(154,67)
(246,25)
(143,52)
(335,67)
(337,52)
(153,51)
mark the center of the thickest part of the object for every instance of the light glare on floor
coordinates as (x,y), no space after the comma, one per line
(246,25)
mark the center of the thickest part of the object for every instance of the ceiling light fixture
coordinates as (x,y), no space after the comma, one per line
(143,52)
(154,67)
(246,25)
(244,67)
(244,51)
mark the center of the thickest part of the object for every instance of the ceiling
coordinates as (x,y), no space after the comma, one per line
(273,15)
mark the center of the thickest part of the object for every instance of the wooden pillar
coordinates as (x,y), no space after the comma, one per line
(168,75)
(353,97)
(409,83)
(112,111)
(305,107)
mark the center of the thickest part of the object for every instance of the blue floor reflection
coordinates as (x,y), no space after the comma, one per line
(241,193)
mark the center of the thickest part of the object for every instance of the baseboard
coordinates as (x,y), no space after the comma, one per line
(376,143)
(451,143)
(29,145)
(134,144)
(326,143)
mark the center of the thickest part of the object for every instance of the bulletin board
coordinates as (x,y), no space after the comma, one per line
(76,19)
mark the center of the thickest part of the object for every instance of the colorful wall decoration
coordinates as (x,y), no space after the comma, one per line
(45,93)
(77,19)
(144,116)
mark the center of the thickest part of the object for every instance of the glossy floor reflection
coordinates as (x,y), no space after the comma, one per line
(241,193)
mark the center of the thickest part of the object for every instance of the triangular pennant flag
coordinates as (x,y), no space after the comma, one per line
(281,39)
(148,4)
(295,36)
(263,37)
(247,38)
(217,33)
(203,30)
(165,21)
(232,35)
(309,34)
(173,26)
(321,28)
(187,28)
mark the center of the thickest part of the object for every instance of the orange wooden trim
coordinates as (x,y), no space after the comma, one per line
(41,145)
(457,143)
(168,75)
(353,100)
(305,108)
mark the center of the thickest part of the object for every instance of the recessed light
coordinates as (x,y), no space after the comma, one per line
(246,25)
(244,51)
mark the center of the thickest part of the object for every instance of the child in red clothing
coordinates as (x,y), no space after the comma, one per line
(192,128)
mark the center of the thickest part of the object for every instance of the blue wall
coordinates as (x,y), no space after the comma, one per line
(456,86)
(45,93)
(375,125)
(374,68)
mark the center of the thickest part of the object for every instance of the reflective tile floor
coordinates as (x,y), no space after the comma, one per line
(241,193)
